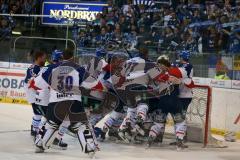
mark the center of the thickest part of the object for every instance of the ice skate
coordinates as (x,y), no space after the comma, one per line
(59,144)
(180,145)
(150,141)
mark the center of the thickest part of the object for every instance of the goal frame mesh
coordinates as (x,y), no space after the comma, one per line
(207,124)
(198,123)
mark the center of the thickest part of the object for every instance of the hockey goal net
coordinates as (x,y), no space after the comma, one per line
(198,118)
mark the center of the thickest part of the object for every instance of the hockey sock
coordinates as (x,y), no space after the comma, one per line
(181,129)
(36,122)
(43,122)
(114,116)
(156,130)
(129,119)
(142,110)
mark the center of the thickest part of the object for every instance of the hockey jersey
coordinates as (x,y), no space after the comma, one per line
(96,69)
(31,73)
(42,94)
(140,71)
(184,71)
(64,80)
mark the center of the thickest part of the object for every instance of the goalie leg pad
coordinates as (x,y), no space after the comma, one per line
(50,135)
(86,139)
(63,129)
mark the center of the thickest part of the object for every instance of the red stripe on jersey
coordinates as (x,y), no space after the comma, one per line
(107,68)
(98,87)
(33,86)
(163,77)
(191,85)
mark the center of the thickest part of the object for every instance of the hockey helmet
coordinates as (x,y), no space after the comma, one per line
(56,55)
(185,55)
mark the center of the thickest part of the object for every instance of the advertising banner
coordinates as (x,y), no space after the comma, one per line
(12,86)
(236,63)
(67,12)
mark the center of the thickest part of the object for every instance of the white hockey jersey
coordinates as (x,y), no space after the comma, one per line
(64,80)
(96,69)
(42,94)
(31,73)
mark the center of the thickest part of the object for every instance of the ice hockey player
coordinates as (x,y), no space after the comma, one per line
(103,100)
(66,79)
(186,69)
(94,99)
(42,100)
(171,104)
(115,118)
(185,73)
(39,60)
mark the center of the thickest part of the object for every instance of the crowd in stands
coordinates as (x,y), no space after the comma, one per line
(198,26)
(212,27)
(15,7)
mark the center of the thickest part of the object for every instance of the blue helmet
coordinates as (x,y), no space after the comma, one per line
(185,55)
(56,55)
(101,52)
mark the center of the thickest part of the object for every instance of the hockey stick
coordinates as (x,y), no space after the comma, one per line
(129,54)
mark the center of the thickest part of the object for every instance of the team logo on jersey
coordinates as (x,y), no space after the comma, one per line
(64,95)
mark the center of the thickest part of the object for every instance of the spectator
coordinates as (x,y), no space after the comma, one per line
(235,42)
(210,43)
(5,29)
(3,6)
(27,7)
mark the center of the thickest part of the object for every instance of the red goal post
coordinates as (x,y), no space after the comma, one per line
(207,124)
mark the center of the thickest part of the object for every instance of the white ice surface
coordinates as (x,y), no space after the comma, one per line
(16,144)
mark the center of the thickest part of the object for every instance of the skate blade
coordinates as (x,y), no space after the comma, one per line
(123,138)
(92,155)
(39,150)
(173,143)
(148,146)
(182,148)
